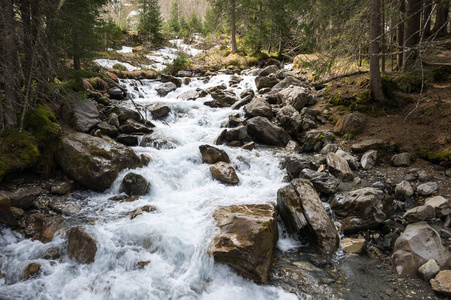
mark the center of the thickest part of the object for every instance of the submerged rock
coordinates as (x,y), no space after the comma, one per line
(302,212)
(134,185)
(247,238)
(94,162)
(81,246)
(31,270)
(224,172)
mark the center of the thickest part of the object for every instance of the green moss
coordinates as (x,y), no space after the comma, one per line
(433,156)
(41,122)
(18,150)
(119,67)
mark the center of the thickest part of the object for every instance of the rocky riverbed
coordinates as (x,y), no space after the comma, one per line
(236,170)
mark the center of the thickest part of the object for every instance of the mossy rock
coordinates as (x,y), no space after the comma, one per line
(41,122)
(18,151)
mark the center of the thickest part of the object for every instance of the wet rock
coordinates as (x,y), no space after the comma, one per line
(116,93)
(123,114)
(403,190)
(290,120)
(24,197)
(128,139)
(85,113)
(314,140)
(418,244)
(369,159)
(427,188)
(242,102)
(352,245)
(323,182)
(296,96)
(133,127)
(41,227)
(361,209)
(402,160)
(258,107)
(223,98)
(66,208)
(5,203)
(249,146)
(247,93)
(94,162)
(269,70)
(51,253)
(441,284)
(429,270)
(441,205)
(234,79)
(286,83)
(339,166)
(193,94)
(7,215)
(419,213)
(81,246)
(329,148)
(296,165)
(169,78)
(141,210)
(264,132)
(107,129)
(366,145)
(212,155)
(165,88)
(159,110)
(224,172)
(247,238)
(237,134)
(293,146)
(158,141)
(134,185)
(352,161)
(350,123)
(302,211)
(31,270)
(183,73)
(262,82)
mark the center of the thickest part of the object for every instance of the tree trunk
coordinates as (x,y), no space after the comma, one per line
(412,30)
(233,17)
(375,34)
(382,48)
(427,18)
(441,19)
(12,71)
(400,34)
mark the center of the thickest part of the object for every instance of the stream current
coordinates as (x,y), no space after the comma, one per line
(174,239)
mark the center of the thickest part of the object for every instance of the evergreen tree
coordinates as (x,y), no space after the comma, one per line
(151,22)
(173,22)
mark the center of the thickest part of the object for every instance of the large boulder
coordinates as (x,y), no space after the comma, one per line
(108,129)
(418,244)
(287,82)
(402,160)
(165,88)
(85,113)
(350,123)
(302,212)
(352,161)
(339,166)
(133,127)
(441,205)
(263,131)
(295,96)
(134,185)
(314,140)
(123,114)
(258,107)
(441,284)
(193,94)
(262,82)
(290,120)
(296,165)
(419,213)
(169,78)
(81,246)
(247,238)
(212,155)
(223,98)
(269,70)
(361,209)
(369,159)
(224,172)
(158,141)
(94,162)
(403,190)
(41,227)
(159,110)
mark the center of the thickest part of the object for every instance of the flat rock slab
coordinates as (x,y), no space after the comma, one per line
(247,238)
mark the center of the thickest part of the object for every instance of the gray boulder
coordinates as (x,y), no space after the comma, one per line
(427,188)
(339,166)
(265,82)
(290,119)
(134,185)
(286,83)
(24,197)
(169,78)
(165,88)
(159,110)
(402,160)
(94,162)
(128,139)
(302,212)
(224,172)
(361,209)
(295,166)
(429,270)
(350,123)
(246,240)
(123,114)
(403,190)
(352,161)
(323,182)
(269,70)
(419,213)
(85,113)
(441,205)
(223,98)
(263,131)
(158,141)
(366,145)
(193,94)
(133,127)
(107,129)
(81,246)
(314,140)
(296,96)
(369,159)
(258,107)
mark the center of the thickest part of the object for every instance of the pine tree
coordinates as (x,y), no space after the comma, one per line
(173,22)
(151,22)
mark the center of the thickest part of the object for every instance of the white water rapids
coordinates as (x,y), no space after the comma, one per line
(175,239)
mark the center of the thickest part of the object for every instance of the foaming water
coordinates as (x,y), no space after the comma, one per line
(175,238)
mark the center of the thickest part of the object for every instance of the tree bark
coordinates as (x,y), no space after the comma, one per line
(233,20)
(427,18)
(441,18)
(12,72)
(412,30)
(382,48)
(400,33)
(375,35)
